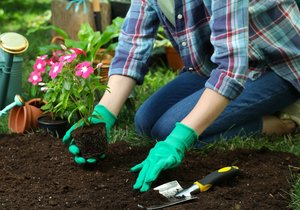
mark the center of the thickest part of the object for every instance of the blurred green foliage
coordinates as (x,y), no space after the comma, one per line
(19,15)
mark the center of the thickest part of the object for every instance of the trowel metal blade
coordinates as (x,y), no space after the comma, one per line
(172,201)
(169,189)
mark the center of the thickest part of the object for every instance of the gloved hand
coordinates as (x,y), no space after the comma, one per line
(164,155)
(100,115)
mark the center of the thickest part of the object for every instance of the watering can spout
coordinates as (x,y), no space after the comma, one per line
(11,44)
(18,101)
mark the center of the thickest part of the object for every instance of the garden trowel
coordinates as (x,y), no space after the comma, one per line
(176,194)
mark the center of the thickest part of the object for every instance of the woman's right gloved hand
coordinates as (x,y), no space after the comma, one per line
(100,115)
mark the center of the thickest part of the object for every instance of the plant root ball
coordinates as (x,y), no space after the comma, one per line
(91,140)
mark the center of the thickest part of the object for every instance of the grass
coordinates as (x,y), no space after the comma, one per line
(276,143)
(125,128)
(296,194)
(3,125)
(22,15)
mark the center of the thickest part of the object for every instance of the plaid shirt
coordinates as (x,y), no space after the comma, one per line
(225,40)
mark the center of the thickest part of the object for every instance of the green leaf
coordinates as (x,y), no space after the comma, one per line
(54,96)
(71,114)
(67,85)
(47,49)
(33,91)
(65,100)
(83,109)
(85,31)
(58,105)
(57,30)
(70,43)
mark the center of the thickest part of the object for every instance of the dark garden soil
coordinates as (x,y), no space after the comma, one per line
(37,172)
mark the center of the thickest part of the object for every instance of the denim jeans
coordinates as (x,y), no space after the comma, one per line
(266,95)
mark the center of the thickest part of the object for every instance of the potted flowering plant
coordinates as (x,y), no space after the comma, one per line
(69,84)
(53,70)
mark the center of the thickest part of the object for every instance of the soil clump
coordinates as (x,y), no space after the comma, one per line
(91,140)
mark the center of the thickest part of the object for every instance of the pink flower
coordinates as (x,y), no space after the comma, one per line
(57,53)
(78,51)
(40,65)
(35,77)
(43,57)
(51,61)
(68,58)
(99,65)
(84,69)
(55,69)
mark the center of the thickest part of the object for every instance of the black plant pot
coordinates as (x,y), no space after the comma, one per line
(119,9)
(56,128)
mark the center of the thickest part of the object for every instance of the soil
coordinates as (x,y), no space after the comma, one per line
(91,140)
(37,172)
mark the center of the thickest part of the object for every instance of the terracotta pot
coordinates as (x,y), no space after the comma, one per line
(173,58)
(56,128)
(35,107)
(18,119)
(24,118)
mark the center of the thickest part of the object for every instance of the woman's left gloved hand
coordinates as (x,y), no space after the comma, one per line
(100,115)
(164,155)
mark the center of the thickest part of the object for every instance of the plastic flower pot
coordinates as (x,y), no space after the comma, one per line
(24,118)
(119,8)
(55,127)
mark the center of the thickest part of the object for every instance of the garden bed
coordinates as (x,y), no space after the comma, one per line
(37,172)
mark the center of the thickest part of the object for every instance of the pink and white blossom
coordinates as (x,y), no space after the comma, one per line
(57,53)
(40,65)
(35,77)
(77,51)
(51,61)
(84,69)
(68,58)
(56,68)
(99,65)
(43,57)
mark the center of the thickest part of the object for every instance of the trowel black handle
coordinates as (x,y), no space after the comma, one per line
(216,177)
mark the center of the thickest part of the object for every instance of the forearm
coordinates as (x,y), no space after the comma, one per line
(207,109)
(120,88)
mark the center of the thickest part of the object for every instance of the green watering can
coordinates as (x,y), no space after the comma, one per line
(11,44)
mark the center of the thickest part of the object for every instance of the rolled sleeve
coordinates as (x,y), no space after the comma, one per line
(225,85)
(135,41)
(229,24)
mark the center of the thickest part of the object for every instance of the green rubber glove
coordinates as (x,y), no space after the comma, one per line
(164,155)
(100,115)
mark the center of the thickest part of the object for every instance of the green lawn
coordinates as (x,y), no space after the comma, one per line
(22,15)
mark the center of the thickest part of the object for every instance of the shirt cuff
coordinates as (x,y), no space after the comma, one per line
(136,70)
(225,85)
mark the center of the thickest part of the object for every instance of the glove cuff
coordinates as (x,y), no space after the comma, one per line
(182,136)
(107,116)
